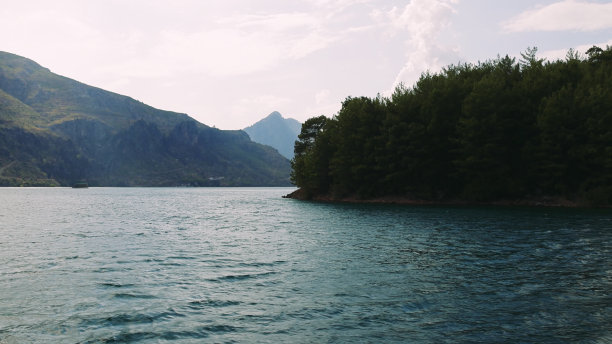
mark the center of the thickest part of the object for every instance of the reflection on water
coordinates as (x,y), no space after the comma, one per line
(245,265)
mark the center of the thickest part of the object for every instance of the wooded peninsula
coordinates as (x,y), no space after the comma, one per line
(516,132)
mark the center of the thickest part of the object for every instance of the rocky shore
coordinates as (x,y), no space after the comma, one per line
(299,194)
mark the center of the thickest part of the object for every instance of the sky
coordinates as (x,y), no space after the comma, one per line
(229,63)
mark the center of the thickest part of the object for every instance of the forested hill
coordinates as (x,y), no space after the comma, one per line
(500,130)
(56,131)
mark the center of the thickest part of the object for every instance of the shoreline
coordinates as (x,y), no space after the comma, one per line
(551,202)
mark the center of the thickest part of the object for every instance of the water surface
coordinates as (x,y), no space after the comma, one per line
(243,265)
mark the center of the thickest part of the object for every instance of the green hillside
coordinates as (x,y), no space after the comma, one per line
(54,131)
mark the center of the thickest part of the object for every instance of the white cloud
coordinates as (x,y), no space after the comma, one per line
(337,5)
(265,100)
(322,96)
(563,16)
(238,45)
(220,52)
(311,43)
(422,21)
(292,35)
(225,62)
(277,22)
(560,54)
(52,28)
(262,105)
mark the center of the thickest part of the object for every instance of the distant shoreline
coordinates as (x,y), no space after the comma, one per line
(555,202)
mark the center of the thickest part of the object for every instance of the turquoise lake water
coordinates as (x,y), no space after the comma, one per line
(243,265)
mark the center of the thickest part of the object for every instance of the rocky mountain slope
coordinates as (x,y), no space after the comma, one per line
(55,131)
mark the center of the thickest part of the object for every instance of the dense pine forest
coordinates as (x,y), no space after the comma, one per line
(497,130)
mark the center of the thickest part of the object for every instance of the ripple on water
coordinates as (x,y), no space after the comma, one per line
(208,303)
(124,319)
(241,277)
(115,285)
(133,296)
(243,265)
(127,334)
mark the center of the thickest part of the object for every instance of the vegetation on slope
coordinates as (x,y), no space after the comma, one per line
(498,130)
(54,130)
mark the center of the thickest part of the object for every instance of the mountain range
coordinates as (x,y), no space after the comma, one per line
(56,131)
(276,131)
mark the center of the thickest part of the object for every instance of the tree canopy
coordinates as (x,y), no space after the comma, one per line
(499,129)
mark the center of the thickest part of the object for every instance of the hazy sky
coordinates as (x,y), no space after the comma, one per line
(229,63)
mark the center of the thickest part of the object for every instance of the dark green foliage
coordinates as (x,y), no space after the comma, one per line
(54,130)
(34,159)
(358,146)
(307,162)
(499,130)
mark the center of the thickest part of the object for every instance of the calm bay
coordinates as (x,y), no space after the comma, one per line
(243,265)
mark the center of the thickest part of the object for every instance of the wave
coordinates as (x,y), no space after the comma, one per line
(241,277)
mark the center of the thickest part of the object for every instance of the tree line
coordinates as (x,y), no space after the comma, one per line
(500,129)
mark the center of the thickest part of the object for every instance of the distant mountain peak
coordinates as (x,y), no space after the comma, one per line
(276,131)
(275,114)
